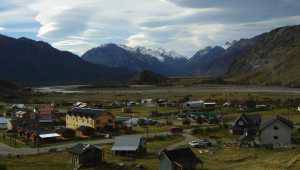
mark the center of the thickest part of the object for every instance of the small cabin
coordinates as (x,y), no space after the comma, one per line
(3,123)
(129,145)
(247,125)
(179,159)
(86,155)
(193,105)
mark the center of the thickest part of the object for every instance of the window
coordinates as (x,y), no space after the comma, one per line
(276,128)
(275,137)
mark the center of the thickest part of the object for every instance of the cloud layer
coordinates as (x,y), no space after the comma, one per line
(181,25)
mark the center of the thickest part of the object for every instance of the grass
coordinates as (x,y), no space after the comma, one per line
(57,161)
(62,160)
(150,161)
(251,158)
(142,111)
(221,159)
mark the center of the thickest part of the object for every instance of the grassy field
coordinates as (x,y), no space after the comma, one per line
(62,161)
(227,159)
(251,158)
(172,93)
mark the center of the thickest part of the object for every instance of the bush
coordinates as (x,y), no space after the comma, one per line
(186,122)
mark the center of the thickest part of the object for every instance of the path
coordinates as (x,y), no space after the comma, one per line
(188,138)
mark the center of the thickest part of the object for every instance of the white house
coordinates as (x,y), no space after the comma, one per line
(210,105)
(193,105)
(80,104)
(18,106)
(19,114)
(147,102)
(276,132)
(3,123)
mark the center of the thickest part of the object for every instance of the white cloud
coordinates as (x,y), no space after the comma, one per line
(181,25)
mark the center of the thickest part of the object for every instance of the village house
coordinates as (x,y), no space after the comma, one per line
(148,102)
(129,145)
(80,104)
(193,106)
(3,123)
(210,105)
(87,117)
(18,106)
(247,126)
(20,114)
(40,136)
(46,113)
(178,159)
(276,132)
(86,155)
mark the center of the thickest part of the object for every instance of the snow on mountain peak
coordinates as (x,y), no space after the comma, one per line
(159,53)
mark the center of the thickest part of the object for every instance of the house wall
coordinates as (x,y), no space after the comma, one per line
(74,122)
(105,120)
(283,134)
(165,163)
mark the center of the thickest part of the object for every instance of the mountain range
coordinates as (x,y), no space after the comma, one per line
(267,59)
(37,63)
(137,59)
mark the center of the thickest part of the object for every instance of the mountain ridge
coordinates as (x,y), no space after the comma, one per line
(136,59)
(36,62)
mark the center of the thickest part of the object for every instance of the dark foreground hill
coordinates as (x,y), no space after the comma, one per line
(37,63)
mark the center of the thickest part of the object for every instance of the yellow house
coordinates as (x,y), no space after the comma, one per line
(95,118)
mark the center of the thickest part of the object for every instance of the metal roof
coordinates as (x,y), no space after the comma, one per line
(81,148)
(89,112)
(269,122)
(49,135)
(182,156)
(127,143)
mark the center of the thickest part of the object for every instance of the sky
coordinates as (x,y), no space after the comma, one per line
(185,26)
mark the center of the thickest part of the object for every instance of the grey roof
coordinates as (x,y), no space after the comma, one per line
(250,119)
(127,143)
(81,148)
(269,122)
(89,112)
(182,156)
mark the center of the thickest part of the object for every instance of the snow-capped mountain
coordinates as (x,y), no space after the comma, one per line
(160,53)
(137,58)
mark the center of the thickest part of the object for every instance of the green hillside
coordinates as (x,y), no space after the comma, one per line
(273,60)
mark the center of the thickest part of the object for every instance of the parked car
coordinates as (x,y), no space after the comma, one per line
(200,143)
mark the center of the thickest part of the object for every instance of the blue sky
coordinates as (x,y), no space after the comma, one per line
(184,26)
